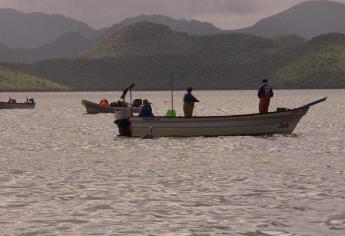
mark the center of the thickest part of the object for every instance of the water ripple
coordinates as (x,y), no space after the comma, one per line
(66,173)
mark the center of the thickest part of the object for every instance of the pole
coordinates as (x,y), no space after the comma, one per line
(172,93)
(130,96)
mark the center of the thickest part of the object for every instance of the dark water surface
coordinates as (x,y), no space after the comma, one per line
(66,173)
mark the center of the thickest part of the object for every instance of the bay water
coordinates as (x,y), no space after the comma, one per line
(63,172)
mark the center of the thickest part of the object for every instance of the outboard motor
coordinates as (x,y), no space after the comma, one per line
(122,116)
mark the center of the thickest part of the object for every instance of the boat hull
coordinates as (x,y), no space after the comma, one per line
(252,124)
(6,105)
(95,108)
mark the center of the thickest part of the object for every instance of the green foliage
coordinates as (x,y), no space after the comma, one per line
(289,40)
(11,80)
(319,63)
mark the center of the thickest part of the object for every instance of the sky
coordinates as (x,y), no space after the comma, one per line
(225,14)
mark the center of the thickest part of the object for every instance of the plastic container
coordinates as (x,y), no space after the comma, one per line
(170,113)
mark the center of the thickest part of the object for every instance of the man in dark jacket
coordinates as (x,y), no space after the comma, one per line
(146,109)
(265,93)
(188,103)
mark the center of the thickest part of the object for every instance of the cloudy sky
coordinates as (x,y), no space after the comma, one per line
(227,14)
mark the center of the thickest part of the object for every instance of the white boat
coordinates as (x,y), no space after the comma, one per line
(283,121)
(95,108)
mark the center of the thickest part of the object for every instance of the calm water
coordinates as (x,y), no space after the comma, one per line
(66,173)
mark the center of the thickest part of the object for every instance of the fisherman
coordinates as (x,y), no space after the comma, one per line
(265,93)
(188,103)
(11,100)
(146,109)
(104,103)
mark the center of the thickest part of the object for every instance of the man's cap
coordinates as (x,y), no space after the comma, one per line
(146,102)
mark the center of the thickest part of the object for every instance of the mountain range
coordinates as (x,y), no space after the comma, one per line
(31,37)
(146,53)
(217,61)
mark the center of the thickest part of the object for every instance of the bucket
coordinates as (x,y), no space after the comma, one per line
(170,113)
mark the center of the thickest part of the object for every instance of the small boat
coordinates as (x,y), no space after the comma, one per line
(95,108)
(283,121)
(17,105)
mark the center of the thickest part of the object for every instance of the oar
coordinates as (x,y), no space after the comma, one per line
(314,103)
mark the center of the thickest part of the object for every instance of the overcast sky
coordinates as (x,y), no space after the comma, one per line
(226,14)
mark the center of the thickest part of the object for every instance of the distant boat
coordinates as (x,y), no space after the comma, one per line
(283,121)
(95,108)
(16,105)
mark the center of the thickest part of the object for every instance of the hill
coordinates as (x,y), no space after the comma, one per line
(145,53)
(150,38)
(11,80)
(193,27)
(29,30)
(319,63)
(68,45)
(307,19)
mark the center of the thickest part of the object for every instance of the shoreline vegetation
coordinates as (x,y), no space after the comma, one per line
(15,81)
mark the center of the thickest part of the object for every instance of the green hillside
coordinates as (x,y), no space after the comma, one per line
(150,38)
(11,80)
(140,38)
(319,63)
(145,53)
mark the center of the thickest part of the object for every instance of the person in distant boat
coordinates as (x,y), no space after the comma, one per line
(188,103)
(11,100)
(146,109)
(104,103)
(265,93)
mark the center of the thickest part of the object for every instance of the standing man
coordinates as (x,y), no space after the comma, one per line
(265,93)
(188,103)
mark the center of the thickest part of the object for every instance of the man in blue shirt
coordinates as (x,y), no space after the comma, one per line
(188,103)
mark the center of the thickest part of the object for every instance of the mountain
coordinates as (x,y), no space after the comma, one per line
(193,27)
(147,38)
(16,81)
(29,30)
(307,19)
(146,53)
(68,45)
(140,38)
(318,63)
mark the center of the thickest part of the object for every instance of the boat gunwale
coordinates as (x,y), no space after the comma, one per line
(305,109)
